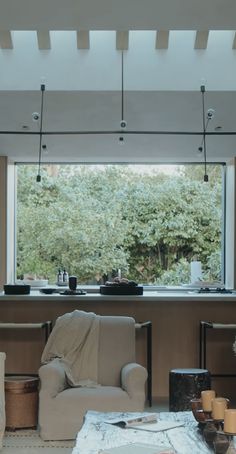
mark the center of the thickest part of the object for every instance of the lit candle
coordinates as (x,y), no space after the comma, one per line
(219,404)
(207,397)
(230,421)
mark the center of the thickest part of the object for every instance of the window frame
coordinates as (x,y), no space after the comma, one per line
(147,287)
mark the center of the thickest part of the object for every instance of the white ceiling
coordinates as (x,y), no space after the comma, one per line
(93,113)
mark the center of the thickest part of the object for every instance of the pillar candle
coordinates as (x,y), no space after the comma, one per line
(207,397)
(196,272)
(230,421)
(219,404)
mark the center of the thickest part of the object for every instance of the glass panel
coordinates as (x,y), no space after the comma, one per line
(148,221)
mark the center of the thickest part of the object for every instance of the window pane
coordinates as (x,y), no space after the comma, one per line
(149,221)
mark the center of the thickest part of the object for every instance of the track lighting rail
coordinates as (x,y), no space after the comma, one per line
(134,132)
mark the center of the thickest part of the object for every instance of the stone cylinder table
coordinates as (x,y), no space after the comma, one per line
(186,384)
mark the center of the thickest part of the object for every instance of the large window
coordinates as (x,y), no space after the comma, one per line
(149,221)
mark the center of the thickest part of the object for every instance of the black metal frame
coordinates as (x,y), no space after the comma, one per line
(148,326)
(203,341)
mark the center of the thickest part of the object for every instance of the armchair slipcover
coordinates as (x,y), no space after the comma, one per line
(121,382)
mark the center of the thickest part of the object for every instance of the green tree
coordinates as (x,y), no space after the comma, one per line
(95,219)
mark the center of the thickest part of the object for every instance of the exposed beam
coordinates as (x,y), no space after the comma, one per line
(83,41)
(234,42)
(162,39)
(6,39)
(44,41)
(201,39)
(122,40)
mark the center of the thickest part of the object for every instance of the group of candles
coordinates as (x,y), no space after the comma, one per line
(218,407)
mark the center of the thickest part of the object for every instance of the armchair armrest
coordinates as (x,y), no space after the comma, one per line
(133,379)
(52,378)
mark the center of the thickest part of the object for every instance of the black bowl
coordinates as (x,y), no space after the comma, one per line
(48,291)
(10,289)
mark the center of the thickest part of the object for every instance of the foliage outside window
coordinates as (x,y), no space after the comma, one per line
(93,220)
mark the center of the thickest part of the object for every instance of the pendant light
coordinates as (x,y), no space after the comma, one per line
(202,88)
(205,122)
(38,178)
(123,123)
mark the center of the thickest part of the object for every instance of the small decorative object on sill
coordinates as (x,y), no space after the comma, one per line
(65,277)
(73,293)
(121,286)
(60,277)
(73,288)
(20,289)
(48,291)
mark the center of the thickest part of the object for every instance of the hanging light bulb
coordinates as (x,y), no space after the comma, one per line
(38,178)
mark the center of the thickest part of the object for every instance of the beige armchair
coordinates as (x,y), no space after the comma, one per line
(121,382)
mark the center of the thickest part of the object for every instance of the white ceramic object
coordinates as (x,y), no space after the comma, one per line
(36,282)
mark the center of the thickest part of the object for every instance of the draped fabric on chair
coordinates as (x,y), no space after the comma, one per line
(2,397)
(120,383)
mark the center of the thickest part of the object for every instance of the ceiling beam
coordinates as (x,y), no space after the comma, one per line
(201,39)
(83,39)
(44,40)
(122,40)
(162,39)
(6,39)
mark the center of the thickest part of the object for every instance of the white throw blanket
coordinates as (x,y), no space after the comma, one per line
(74,341)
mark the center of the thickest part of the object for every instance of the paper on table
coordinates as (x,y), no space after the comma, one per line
(158,426)
(138,448)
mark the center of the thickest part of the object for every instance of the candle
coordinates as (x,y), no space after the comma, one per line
(219,404)
(196,272)
(230,421)
(207,397)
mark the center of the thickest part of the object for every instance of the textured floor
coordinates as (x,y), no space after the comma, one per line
(29,441)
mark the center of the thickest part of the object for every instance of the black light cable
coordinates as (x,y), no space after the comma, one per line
(204,133)
(38,178)
(122,87)
(123,123)
(200,148)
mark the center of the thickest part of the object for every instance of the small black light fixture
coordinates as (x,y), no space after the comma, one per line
(202,88)
(205,121)
(123,123)
(38,178)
